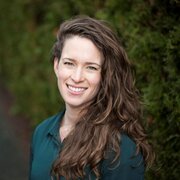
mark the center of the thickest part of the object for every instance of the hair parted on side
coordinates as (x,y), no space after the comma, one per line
(116,108)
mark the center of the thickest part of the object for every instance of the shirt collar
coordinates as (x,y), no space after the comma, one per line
(54,129)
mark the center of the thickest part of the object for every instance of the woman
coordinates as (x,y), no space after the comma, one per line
(98,135)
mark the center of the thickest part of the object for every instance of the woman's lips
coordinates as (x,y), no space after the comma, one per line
(77,90)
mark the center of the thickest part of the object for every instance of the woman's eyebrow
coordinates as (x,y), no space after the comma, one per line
(93,63)
(70,59)
(88,62)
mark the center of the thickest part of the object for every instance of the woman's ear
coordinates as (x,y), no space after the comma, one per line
(56,65)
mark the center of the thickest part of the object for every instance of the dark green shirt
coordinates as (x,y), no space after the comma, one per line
(46,145)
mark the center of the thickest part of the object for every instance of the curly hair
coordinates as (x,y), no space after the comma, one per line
(116,109)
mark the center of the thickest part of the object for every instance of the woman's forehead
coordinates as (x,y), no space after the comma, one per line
(78,47)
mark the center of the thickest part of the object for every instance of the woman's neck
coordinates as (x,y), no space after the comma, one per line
(69,121)
(71,117)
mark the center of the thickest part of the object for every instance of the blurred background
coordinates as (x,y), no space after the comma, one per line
(150,33)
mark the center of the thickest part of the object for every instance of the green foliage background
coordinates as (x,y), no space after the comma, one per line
(150,32)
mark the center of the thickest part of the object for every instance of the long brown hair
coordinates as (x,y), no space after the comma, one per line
(116,109)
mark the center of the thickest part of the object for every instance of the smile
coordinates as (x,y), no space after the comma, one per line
(76,89)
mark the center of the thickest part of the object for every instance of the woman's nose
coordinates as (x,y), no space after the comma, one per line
(77,75)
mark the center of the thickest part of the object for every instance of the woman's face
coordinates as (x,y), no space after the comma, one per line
(78,71)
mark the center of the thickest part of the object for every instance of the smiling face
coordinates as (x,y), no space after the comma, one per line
(78,71)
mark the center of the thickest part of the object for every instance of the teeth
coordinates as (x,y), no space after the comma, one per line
(76,89)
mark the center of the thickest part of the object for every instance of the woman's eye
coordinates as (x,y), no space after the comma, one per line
(68,63)
(92,68)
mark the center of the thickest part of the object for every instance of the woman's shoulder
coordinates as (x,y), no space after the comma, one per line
(129,165)
(47,125)
(128,150)
(127,143)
